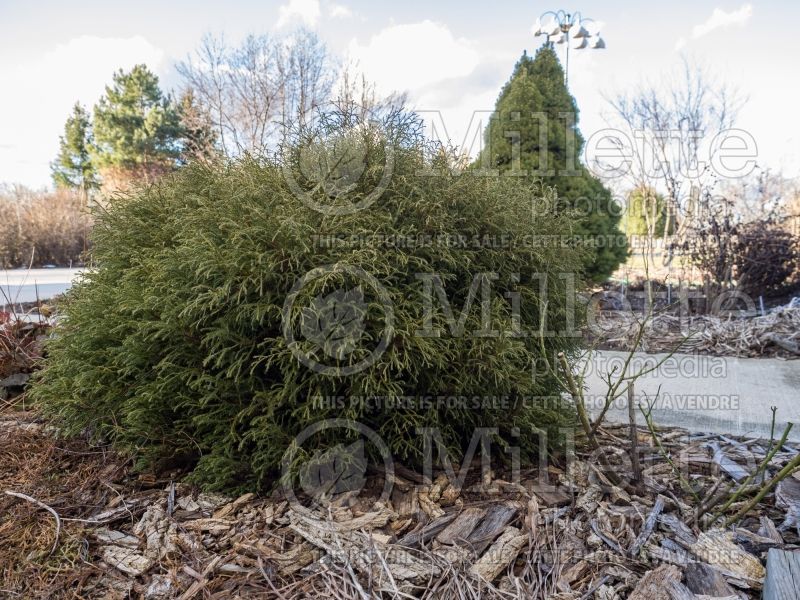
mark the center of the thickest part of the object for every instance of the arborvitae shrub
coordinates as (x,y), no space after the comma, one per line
(175,346)
(530,132)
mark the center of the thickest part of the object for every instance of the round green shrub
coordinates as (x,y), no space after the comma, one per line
(203,336)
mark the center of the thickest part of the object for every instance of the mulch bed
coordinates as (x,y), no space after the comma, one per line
(575,536)
(776,334)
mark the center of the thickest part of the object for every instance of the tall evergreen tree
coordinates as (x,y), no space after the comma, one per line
(73,167)
(136,127)
(535,130)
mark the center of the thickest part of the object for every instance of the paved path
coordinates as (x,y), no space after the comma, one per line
(20,285)
(706,393)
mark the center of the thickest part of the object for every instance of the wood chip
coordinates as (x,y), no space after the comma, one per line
(783,575)
(459,530)
(492,525)
(500,554)
(717,548)
(657,584)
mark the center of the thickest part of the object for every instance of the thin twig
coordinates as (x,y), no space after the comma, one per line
(41,504)
(634,435)
(790,467)
(745,487)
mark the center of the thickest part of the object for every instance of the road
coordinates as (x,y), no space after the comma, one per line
(705,393)
(23,285)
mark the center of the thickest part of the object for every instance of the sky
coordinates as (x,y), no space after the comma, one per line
(451,57)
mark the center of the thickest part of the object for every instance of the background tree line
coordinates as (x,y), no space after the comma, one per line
(233,99)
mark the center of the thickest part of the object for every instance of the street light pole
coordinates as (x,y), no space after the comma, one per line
(563,25)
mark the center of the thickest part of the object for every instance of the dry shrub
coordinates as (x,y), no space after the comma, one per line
(42,228)
(757,256)
(20,345)
(767,257)
(118,180)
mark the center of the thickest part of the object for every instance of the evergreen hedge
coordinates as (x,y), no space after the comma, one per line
(174,347)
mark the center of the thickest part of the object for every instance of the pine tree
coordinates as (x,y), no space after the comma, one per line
(535,130)
(137,128)
(73,167)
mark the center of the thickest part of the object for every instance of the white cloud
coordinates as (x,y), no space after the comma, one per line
(304,11)
(720,19)
(679,45)
(339,11)
(47,86)
(434,55)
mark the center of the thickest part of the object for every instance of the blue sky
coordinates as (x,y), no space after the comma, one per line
(451,56)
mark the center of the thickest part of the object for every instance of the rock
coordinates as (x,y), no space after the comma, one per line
(16,380)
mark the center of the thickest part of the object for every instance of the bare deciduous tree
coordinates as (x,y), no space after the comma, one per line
(673,128)
(354,89)
(252,92)
(763,194)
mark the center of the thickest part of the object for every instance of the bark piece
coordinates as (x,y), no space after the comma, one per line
(126,560)
(425,533)
(493,524)
(783,575)
(231,507)
(115,538)
(405,503)
(363,552)
(768,530)
(647,529)
(677,530)
(463,525)
(727,464)
(550,495)
(657,584)
(716,547)
(500,554)
(707,581)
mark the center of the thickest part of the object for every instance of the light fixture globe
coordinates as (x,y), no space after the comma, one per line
(551,28)
(581,44)
(571,30)
(580,32)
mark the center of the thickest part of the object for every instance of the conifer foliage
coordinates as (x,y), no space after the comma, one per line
(535,131)
(73,166)
(201,336)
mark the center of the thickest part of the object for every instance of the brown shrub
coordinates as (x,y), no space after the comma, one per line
(42,228)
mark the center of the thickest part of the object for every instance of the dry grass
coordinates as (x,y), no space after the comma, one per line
(42,228)
(70,477)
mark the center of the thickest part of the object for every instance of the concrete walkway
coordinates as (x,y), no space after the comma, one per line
(22,285)
(704,393)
